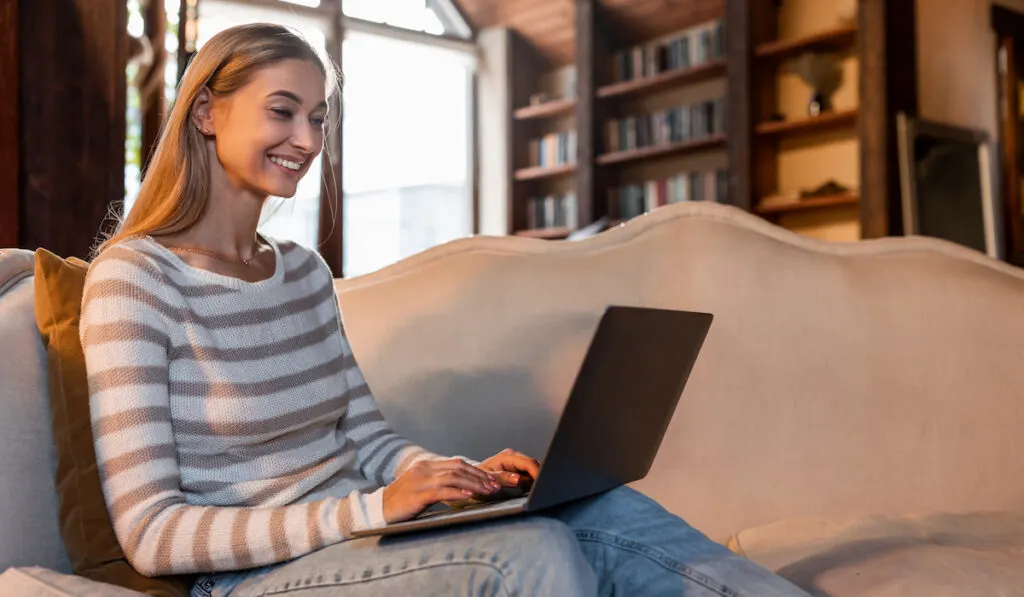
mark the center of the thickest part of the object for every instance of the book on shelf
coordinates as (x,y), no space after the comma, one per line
(682,123)
(553,149)
(552,211)
(631,200)
(687,49)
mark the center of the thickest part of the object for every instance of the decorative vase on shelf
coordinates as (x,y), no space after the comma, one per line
(819,103)
(823,74)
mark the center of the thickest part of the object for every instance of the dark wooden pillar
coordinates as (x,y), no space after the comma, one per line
(72,116)
(887,43)
(748,23)
(9,124)
(152,87)
(591,49)
(331,236)
(1008,26)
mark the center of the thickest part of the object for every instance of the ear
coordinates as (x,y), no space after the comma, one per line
(202,112)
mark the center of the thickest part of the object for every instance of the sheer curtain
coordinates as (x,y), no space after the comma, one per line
(407,148)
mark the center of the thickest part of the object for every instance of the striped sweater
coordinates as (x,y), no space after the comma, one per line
(232,425)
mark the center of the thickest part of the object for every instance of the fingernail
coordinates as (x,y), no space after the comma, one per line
(514,477)
(467,492)
(491,477)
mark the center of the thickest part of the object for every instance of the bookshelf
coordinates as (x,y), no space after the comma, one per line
(764,150)
(647,109)
(830,172)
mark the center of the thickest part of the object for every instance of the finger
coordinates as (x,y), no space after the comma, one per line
(458,478)
(521,463)
(507,478)
(445,494)
(461,465)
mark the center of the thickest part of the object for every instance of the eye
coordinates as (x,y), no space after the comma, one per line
(318,121)
(282,112)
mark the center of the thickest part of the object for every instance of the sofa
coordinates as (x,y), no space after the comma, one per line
(853,422)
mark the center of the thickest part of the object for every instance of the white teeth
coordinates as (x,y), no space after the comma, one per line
(286,163)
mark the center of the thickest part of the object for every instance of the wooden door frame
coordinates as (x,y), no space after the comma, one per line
(1009,31)
(10,135)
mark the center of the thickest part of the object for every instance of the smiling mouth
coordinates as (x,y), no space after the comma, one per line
(287,164)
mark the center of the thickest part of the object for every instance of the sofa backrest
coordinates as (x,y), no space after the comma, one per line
(29,535)
(879,376)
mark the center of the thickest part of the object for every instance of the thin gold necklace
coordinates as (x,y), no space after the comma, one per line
(214,255)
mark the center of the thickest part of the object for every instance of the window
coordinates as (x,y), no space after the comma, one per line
(134,72)
(407,166)
(437,17)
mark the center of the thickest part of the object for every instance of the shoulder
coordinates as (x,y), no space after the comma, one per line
(128,273)
(131,260)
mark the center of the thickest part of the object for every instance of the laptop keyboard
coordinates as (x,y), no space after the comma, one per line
(445,509)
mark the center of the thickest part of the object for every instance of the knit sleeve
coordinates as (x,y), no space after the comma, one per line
(381,454)
(124,332)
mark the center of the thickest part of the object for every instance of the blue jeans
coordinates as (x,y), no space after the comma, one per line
(619,543)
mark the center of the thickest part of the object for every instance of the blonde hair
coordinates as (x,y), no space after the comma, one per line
(175,189)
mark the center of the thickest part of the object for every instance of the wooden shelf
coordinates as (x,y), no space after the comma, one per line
(828,120)
(546,110)
(629,155)
(545,233)
(841,38)
(536,172)
(666,79)
(810,203)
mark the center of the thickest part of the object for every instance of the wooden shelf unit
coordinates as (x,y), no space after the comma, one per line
(549,109)
(809,203)
(811,124)
(678,148)
(599,35)
(664,80)
(762,152)
(834,40)
(535,172)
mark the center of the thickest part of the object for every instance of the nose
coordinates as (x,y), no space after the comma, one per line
(305,138)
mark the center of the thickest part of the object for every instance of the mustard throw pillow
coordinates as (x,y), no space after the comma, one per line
(85,526)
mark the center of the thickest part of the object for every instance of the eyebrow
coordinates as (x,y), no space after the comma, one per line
(294,98)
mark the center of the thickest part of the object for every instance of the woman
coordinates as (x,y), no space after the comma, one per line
(235,435)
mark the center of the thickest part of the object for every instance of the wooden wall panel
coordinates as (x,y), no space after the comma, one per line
(72,120)
(9,124)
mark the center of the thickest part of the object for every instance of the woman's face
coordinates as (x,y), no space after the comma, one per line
(269,131)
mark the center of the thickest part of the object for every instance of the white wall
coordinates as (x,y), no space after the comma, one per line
(956,74)
(493,132)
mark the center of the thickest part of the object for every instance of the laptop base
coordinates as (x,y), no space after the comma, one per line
(432,520)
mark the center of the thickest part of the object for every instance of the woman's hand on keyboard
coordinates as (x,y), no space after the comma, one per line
(431,481)
(515,464)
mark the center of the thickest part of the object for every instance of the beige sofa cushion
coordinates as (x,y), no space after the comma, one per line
(882,376)
(939,555)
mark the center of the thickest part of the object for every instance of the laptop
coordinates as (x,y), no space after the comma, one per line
(618,410)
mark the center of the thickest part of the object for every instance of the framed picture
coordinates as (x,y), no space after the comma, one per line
(947,182)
